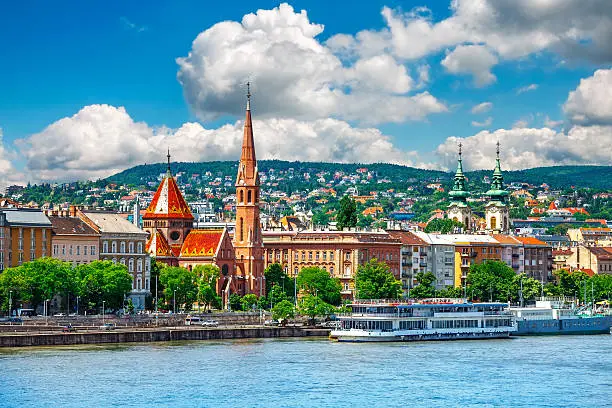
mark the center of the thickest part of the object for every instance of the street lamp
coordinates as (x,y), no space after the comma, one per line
(103,310)
(46,311)
(10,302)
(174,301)
(78,297)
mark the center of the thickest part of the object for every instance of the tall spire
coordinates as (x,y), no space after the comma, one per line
(168,172)
(497,191)
(459,192)
(247,169)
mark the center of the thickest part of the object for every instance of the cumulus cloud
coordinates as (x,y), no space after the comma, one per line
(482,107)
(549,123)
(591,101)
(8,173)
(475,60)
(100,140)
(531,147)
(527,88)
(485,123)
(510,29)
(299,77)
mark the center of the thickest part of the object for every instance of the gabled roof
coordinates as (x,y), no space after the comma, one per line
(111,222)
(71,226)
(406,237)
(531,241)
(202,243)
(168,202)
(506,239)
(158,246)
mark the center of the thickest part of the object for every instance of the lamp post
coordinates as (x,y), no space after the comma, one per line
(78,297)
(46,311)
(174,302)
(10,302)
(295,291)
(103,310)
(156,297)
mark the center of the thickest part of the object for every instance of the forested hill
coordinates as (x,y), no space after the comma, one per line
(558,177)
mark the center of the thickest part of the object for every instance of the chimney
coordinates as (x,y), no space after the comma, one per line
(72,211)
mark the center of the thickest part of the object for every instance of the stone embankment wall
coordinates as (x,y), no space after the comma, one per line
(151,335)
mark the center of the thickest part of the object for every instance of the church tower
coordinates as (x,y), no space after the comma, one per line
(458,209)
(496,209)
(247,235)
(168,220)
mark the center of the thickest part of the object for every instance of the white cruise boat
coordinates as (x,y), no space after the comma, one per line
(429,319)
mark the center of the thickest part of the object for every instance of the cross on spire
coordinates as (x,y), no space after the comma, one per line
(248,95)
(168,159)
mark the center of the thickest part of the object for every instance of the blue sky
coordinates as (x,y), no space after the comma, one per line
(59,58)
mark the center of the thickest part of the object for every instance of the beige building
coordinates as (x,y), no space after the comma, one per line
(338,252)
(597,259)
(73,240)
(590,236)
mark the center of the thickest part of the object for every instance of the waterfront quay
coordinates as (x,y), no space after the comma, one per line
(92,330)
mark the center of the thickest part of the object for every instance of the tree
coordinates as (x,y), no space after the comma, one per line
(375,281)
(207,276)
(235,301)
(449,292)
(425,287)
(313,306)
(347,215)
(316,281)
(248,302)
(491,280)
(283,310)
(276,295)
(180,284)
(443,225)
(276,276)
(103,281)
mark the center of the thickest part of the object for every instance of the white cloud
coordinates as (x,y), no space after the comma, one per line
(296,76)
(423,76)
(475,60)
(487,122)
(527,88)
(482,107)
(548,122)
(531,147)
(100,140)
(8,173)
(519,124)
(591,101)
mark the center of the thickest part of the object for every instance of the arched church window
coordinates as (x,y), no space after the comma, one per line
(493,223)
(242,196)
(249,196)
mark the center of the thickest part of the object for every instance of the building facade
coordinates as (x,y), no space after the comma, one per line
(439,256)
(537,259)
(497,214)
(458,209)
(25,235)
(413,257)
(73,240)
(338,252)
(122,242)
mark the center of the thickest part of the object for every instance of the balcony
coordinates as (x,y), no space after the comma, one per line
(515,255)
(423,253)
(515,266)
(423,264)
(406,263)
(473,254)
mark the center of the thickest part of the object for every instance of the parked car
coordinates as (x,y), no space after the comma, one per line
(210,323)
(59,315)
(271,323)
(68,328)
(108,326)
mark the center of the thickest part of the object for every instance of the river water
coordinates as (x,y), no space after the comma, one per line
(562,371)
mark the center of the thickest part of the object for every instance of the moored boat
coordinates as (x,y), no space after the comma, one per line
(558,315)
(430,319)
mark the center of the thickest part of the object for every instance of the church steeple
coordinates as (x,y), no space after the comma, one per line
(497,192)
(459,192)
(168,172)
(247,168)
(247,235)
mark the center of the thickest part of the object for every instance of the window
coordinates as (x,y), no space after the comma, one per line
(303,255)
(249,197)
(139,266)
(63,249)
(70,250)
(54,249)
(296,256)
(331,270)
(20,258)
(131,265)
(32,255)
(92,250)
(310,256)
(122,247)
(317,255)
(1,232)
(295,270)
(241,229)
(241,196)
(484,250)
(113,247)
(325,255)
(20,233)
(105,246)
(347,256)
(140,247)
(331,256)
(131,248)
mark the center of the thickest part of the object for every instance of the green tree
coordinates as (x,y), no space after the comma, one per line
(425,287)
(207,276)
(449,292)
(103,281)
(317,281)
(283,310)
(248,301)
(276,295)
(375,281)
(275,275)
(347,215)
(313,306)
(443,225)
(180,284)
(235,301)
(491,280)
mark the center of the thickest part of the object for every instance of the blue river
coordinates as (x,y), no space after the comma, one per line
(562,371)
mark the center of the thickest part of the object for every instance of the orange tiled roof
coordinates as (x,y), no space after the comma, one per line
(158,246)
(530,241)
(505,239)
(201,243)
(406,237)
(168,202)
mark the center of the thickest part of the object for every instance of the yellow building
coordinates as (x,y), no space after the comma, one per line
(25,235)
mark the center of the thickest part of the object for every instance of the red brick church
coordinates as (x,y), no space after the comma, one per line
(173,241)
